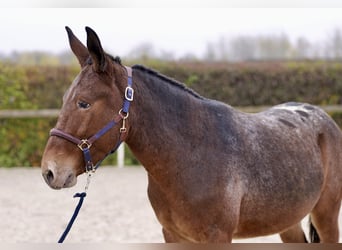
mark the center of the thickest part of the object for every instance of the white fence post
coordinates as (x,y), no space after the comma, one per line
(121,155)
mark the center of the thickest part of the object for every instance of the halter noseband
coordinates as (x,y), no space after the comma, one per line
(85,144)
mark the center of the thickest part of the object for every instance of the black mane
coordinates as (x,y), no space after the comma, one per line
(168,80)
(115,59)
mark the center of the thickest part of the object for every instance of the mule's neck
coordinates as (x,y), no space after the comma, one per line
(161,119)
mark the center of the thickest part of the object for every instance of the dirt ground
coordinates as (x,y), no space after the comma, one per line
(116,209)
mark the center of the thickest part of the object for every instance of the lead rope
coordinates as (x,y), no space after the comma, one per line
(84,194)
(77,209)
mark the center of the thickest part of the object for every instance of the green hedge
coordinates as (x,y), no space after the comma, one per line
(263,83)
(23,142)
(243,84)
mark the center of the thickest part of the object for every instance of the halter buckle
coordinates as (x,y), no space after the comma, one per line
(85,144)
(129,93)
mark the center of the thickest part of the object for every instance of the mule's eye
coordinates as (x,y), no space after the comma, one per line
(83,104)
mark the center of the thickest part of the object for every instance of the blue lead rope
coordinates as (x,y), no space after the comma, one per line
(74,216)
(83,195)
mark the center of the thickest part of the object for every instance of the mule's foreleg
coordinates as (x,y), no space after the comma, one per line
(172,237)
(294,234)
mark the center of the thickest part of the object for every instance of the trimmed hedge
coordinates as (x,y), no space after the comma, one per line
(263,83)
(240,84)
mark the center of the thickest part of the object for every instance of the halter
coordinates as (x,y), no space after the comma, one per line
(85,144)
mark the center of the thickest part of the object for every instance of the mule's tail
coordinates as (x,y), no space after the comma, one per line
(314,237)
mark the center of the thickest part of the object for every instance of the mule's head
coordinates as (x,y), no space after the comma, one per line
(93,99)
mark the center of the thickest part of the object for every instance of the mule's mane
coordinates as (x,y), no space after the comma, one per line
(115,59)
(168,80)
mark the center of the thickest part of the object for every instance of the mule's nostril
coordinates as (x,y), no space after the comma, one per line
(49,176)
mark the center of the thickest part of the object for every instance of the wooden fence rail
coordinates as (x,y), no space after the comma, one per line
(53,113)
(40,113)
(46,113)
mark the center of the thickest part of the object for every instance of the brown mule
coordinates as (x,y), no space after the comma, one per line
(214,173)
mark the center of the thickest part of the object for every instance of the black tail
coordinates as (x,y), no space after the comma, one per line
(314,237)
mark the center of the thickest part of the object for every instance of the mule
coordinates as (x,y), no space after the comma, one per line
(214,173)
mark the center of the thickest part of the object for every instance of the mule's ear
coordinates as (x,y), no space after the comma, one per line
(80,51)
(95,49)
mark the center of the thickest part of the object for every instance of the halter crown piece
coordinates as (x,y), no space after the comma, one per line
(85,144)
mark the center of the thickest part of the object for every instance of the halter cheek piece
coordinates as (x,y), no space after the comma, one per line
(85,144)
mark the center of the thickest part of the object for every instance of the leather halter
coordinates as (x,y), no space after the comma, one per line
(85,144)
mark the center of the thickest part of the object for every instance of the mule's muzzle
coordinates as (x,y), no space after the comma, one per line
(58,181)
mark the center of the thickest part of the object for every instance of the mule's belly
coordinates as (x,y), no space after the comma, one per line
(271,221)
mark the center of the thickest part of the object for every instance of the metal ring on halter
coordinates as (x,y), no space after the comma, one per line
(123,115)
(85,144)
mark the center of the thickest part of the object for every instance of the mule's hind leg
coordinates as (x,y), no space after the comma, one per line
(294,234)
(324,216)
(325,219)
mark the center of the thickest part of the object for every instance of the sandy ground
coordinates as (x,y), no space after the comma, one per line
(116,209)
